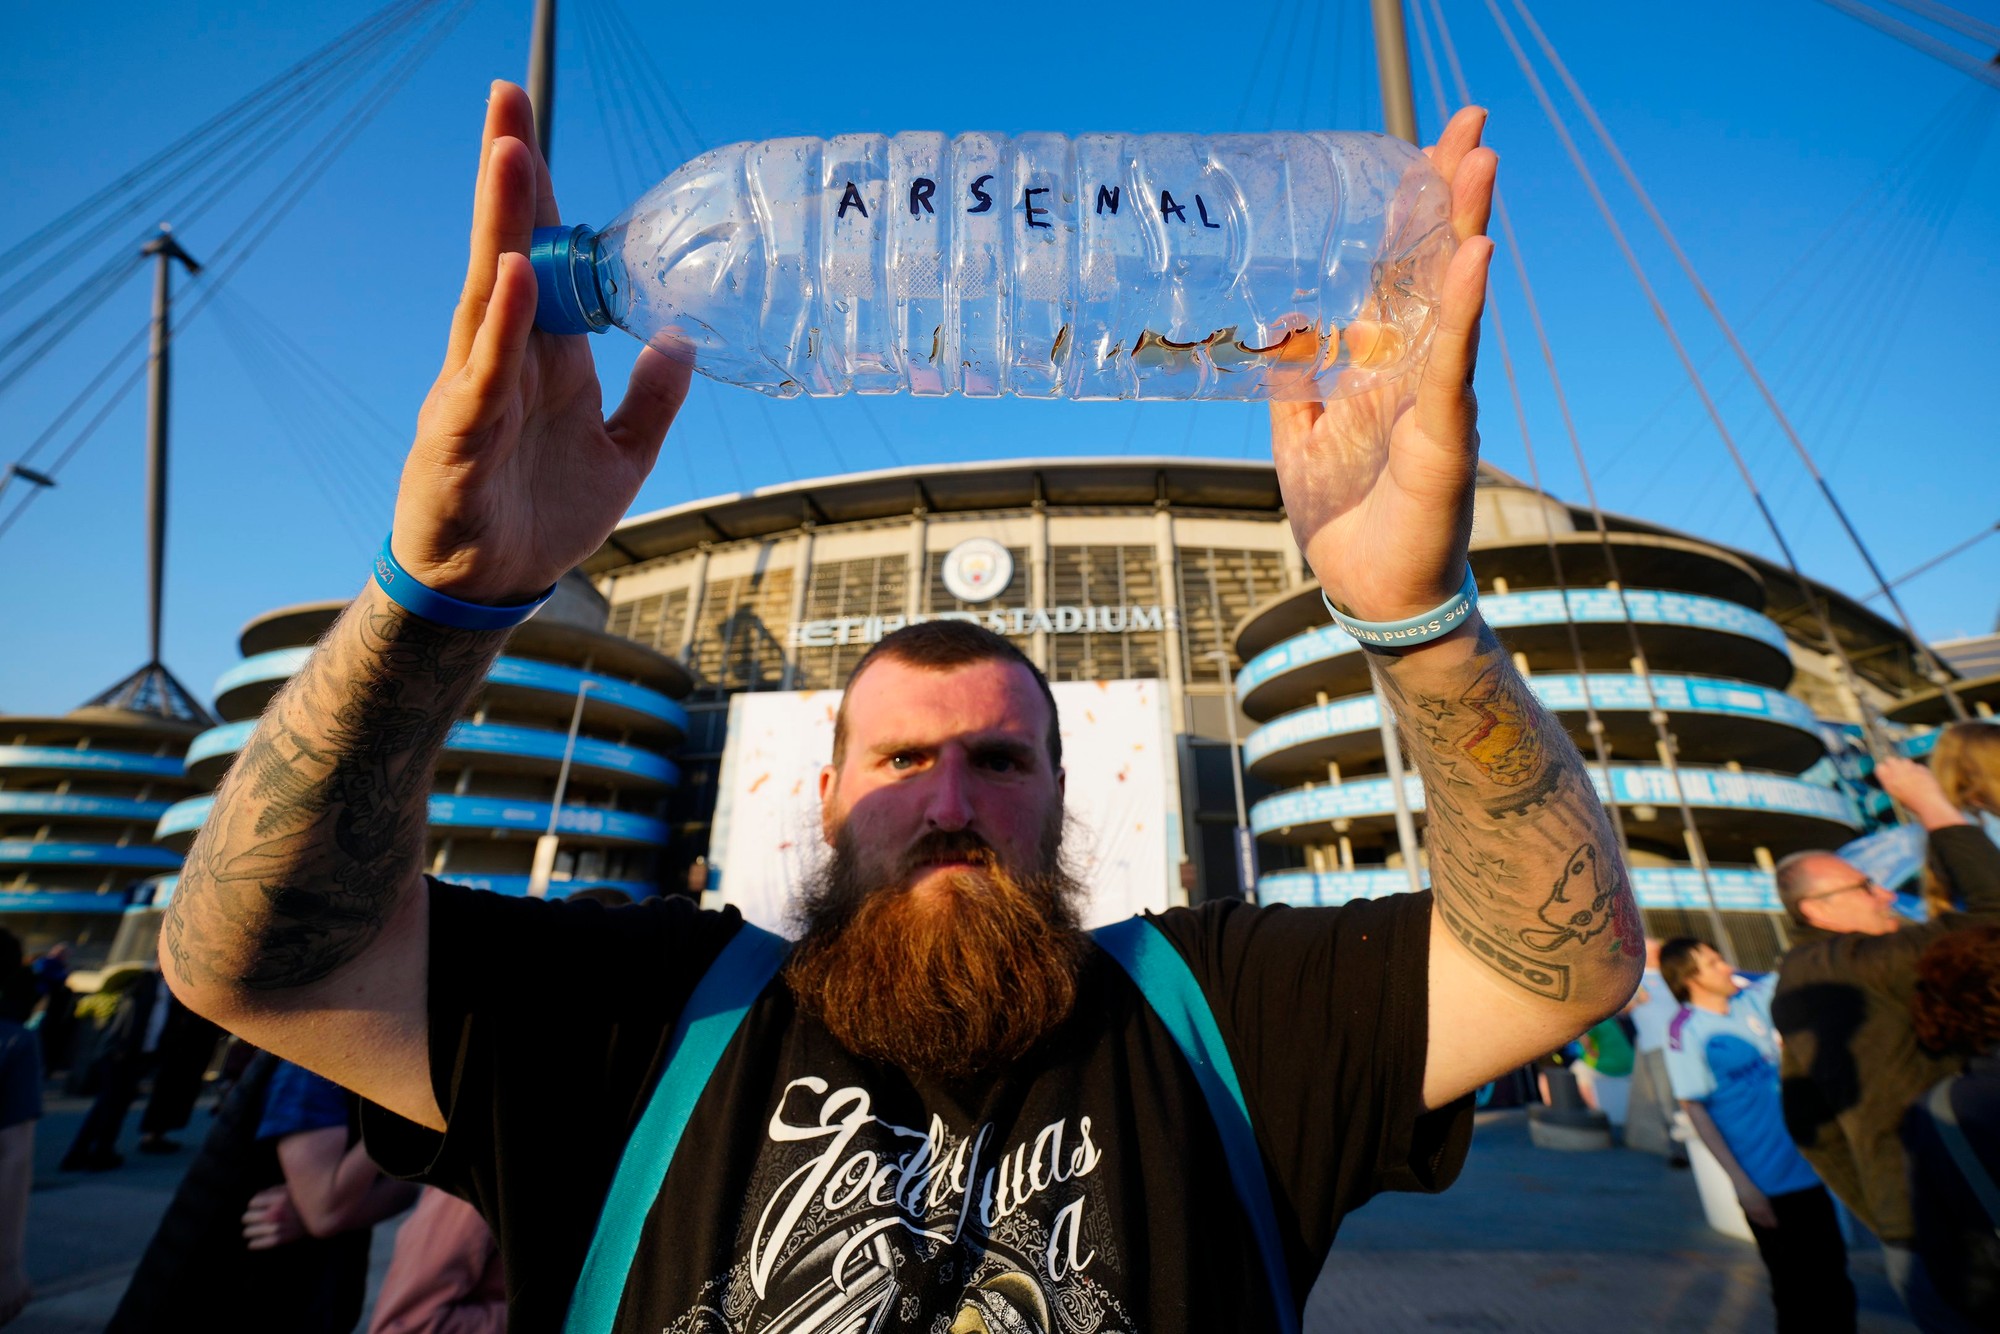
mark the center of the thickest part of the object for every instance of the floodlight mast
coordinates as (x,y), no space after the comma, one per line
(1399,118)
(542,75)
(1392,68)
(165,250)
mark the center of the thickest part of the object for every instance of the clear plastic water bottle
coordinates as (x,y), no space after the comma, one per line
(1246,266)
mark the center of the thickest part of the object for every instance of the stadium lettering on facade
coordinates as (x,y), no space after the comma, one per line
(1005,620)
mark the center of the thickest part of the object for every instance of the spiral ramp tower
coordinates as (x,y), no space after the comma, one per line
(80,794)
(495,785)
(1752,755)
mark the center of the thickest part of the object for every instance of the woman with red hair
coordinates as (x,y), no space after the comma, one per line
(1953,1134)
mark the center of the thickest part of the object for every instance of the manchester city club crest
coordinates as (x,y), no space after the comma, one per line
(977,570)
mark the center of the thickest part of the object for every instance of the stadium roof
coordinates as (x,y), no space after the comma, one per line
(953,488)
(1877,646)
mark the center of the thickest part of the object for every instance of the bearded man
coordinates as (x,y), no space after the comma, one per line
(951,1110)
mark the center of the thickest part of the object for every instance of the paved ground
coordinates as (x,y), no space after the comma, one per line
(1531,1240)
(1527,1241)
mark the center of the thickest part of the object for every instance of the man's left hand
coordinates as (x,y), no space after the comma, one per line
(1378,485)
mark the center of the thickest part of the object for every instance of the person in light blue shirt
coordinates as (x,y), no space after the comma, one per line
(1722,1059)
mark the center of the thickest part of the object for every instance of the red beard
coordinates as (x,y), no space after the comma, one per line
(956,981)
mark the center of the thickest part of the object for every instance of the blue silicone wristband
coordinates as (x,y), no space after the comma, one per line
(412,596)
(1436,623)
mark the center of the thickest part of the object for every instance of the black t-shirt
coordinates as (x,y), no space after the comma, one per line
(1083,1190)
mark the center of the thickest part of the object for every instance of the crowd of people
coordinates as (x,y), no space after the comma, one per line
(1864,1070)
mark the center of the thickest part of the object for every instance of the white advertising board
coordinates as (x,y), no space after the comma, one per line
(1124,839)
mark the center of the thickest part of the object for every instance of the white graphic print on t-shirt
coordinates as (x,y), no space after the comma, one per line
(857,1225)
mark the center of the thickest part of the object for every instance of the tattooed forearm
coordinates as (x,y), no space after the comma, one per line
(319,826)
(1524,867)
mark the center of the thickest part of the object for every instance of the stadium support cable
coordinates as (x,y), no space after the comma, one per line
(321,417)
(142,187)
(236,249)
(66,315)
(1593,724)
(1958,550)
(1664,741)
(609,80)
(70,310)
(1945,16)
(621,73)
(1925,163)
(657,87)
(1939,674)
(119,361)
(118,395)
(1915,38)
(1285,60)
(1850,679)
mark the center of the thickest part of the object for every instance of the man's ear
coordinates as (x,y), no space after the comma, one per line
(828,780)
(1062,782)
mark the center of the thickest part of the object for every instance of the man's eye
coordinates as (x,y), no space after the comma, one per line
(1001,763)
(902,761)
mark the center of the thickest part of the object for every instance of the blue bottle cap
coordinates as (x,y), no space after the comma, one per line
(566,281)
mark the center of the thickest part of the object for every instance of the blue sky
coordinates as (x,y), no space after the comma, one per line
(1834,188)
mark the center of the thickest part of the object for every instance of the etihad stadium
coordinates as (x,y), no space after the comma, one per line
(1175,570)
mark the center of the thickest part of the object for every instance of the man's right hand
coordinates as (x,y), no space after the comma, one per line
(270,1220)
(515,476)
(1917,788)
(301,921)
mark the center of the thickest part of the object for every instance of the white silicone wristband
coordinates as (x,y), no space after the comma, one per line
(1436,623)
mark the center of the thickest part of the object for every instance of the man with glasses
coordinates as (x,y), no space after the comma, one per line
(1851,1065)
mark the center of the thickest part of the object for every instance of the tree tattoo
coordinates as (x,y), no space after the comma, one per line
(321,821)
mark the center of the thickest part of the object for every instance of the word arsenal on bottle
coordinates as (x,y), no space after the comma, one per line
(923,191)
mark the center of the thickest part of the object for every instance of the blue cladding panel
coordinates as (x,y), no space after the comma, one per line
(487,739)
(524,673)
(1588,606)
(1719,789)
(90,761)
(456,812)
(1341,717)
(1610,692)
(16,851)
(63,901)
(80,807)
(224,740)
(517,885)
(162,889)
(1737,889)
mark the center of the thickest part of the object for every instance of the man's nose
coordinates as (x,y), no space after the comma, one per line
(948,803)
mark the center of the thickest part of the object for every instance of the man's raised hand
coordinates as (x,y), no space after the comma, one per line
(1378,485)
(516,475)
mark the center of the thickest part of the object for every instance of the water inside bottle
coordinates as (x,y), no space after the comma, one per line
(1099,267)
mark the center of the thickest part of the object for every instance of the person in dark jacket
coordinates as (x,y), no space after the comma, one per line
(58,1027)
(1956,1012)
(187,1046)
(130,1049)
(1852,1065)
(20,1108)
(282,1135)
